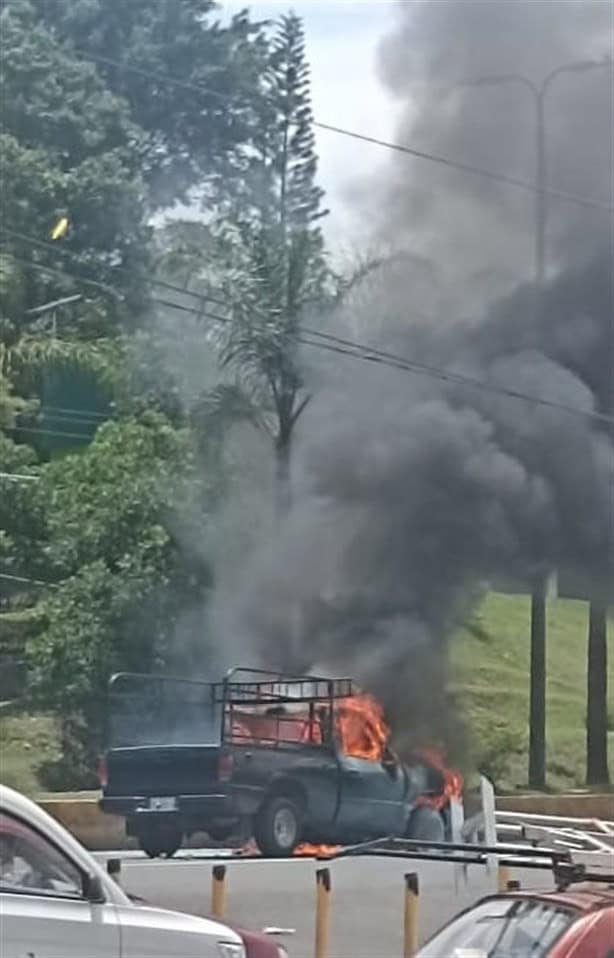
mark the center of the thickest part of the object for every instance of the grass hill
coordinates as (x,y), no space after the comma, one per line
(490,666)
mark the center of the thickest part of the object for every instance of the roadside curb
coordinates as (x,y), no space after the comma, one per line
(82,817)
(100,832)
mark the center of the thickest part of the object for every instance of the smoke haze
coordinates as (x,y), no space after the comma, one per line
(411,494)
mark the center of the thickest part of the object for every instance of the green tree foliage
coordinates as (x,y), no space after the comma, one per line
(20,527)
(121,580)
(68,146)
(196,131)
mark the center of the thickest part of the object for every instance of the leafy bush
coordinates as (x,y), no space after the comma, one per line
(496,746)
(122,578)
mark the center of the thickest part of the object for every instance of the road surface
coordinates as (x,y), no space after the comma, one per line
(366,904)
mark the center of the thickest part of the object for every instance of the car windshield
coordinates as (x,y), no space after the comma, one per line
(501,928)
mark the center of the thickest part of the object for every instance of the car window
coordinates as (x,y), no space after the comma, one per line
(501,928)
(30,864)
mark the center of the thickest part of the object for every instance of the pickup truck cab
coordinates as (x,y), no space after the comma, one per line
(287,759)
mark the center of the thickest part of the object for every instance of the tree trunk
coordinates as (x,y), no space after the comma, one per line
(283,486)
(597,772)
(537,707)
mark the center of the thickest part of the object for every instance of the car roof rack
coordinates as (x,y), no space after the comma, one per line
(565,870)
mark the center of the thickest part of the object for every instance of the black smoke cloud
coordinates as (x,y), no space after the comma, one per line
(412,494)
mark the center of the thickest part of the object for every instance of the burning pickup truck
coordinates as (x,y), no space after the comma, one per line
(290,760)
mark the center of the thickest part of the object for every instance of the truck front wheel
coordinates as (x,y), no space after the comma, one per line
(161,842)
(277,827)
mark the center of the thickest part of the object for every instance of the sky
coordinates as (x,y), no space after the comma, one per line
(342,39)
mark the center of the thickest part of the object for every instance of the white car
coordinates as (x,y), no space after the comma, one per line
(57,902)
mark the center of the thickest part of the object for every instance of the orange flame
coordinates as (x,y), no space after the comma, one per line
(452,781)
(361,727)
(315,851)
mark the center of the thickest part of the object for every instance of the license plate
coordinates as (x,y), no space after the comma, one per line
(164,804)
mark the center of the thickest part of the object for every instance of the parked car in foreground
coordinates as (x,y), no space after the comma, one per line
(577,923)
(56,901)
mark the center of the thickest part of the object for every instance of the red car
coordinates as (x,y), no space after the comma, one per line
(577,923)
(257,944)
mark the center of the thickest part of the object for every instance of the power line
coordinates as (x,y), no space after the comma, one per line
(120,270)
(153,75)
(344,346)
(366,353)
(25,581)
(89,414)
(54,271)
(18,477)
(35,430)
(370,353)
(468,382)
(468,168)
(366,138)
(203,298)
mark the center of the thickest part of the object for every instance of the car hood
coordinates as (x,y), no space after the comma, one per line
(257,944)
(153,920)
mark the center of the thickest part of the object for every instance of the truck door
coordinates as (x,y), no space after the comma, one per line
(372,797)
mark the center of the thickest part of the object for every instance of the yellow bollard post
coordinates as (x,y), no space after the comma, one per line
(323,889)
(410,930)
(503,878)
(218,891)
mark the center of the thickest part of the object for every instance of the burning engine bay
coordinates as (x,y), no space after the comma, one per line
(297,762)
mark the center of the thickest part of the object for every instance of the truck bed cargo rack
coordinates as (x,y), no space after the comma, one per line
(249,686)
(150,701)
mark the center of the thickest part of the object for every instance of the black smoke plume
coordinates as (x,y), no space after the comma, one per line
(413,494)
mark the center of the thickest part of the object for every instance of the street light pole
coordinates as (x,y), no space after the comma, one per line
(537,694)
(541,180)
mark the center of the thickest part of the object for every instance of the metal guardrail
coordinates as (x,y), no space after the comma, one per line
(565,870)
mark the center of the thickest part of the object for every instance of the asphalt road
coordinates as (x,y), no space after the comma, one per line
(366,903)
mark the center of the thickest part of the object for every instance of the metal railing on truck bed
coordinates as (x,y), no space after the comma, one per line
(146,709)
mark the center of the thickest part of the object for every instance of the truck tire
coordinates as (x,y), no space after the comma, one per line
(161,842)
(277,828)
(425,824)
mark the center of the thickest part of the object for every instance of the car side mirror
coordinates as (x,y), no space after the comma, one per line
(92,889)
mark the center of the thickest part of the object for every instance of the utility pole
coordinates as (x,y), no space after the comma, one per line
(538,92)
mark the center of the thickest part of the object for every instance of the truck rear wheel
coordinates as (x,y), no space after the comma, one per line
(161,842)
(278,827)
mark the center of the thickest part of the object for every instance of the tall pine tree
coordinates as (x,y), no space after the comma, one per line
(269,255)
